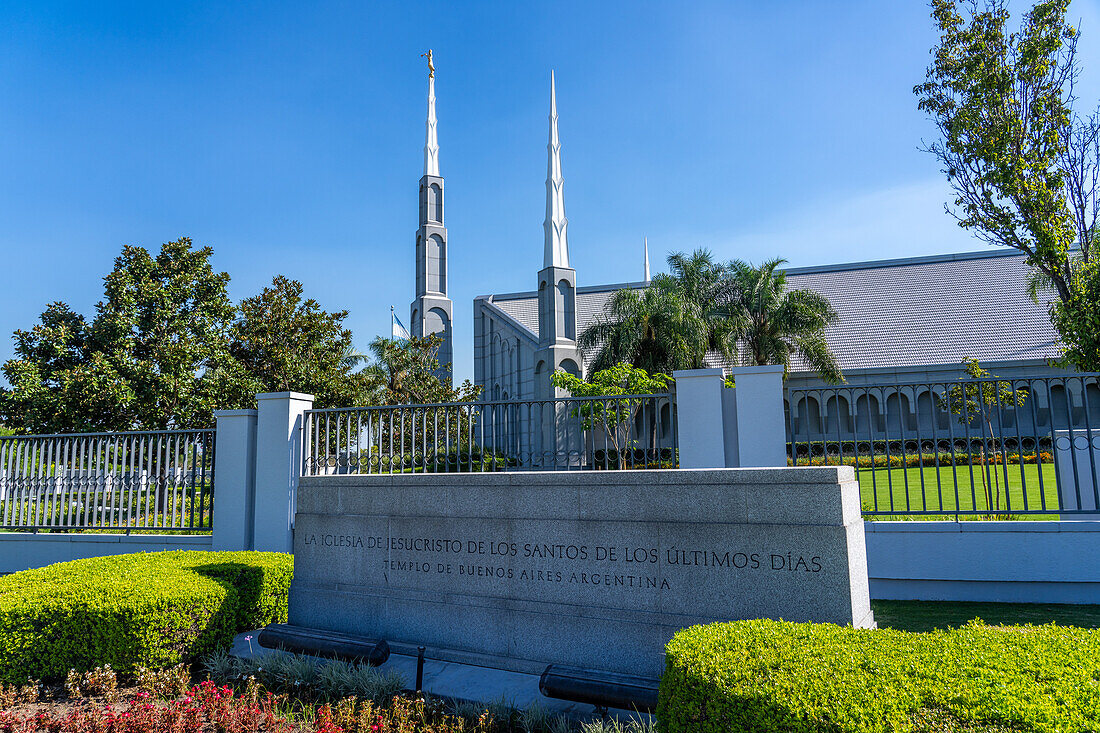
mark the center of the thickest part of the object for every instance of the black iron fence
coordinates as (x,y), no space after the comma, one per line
(1000,447)
(134,481)
(568,433)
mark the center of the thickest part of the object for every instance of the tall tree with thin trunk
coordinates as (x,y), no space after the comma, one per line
(1023,164)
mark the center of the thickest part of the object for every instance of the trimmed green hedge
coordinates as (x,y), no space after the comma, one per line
(153,609)
(777,676)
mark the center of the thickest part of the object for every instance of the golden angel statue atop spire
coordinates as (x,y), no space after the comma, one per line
(431,65)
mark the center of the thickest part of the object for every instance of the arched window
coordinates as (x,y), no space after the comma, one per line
(809,416)
(867,416)
(437,264)
(1092,397)
(837,417)
(435,203)
(1059,406)
(897,415)
(567,328)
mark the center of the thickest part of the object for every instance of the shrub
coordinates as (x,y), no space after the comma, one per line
(151,609)
(777,676)
(305,677)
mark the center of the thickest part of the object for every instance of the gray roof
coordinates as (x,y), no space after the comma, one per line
(922,311)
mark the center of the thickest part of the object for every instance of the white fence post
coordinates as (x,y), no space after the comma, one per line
(278,467)
(235,479)
(761,426)
(699,425)
(1076,488)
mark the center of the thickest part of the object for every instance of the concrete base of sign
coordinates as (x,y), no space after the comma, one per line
(594,570)
(461,682)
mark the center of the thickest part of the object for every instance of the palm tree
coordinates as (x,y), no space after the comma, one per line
(735,311)
(656,329)
(667,326)
(772,323)
(353,359)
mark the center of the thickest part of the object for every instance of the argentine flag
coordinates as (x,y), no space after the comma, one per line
(397,328)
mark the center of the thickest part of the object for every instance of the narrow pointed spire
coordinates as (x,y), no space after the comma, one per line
(431,144)
(556,251)
(647,260)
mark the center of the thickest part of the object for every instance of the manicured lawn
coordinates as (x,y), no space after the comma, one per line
(939,489)
(929,615)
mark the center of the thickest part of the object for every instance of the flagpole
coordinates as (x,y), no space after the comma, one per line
(392,323)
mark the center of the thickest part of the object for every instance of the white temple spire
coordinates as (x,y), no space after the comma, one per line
(431,144)
(556,252)
(647,260)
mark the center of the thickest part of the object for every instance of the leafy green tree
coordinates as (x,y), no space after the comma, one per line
(614,417)
(1078,318)
(141,363)
(1023,165)
(282,342)
(974,402)
(162,324)
(772,323)
(167,347)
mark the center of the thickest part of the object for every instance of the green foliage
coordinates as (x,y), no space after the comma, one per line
(144,610)
(407,372)
(283,342)
(614,417)
(621,379)
(167,347)
(774,676)
(305,677)
(1077,318)
(740,312)
(140,363)
(1024,167)
(973,400)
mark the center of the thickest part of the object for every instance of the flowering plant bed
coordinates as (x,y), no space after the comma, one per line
(164,701)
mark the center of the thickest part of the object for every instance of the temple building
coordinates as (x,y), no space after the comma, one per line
(901,322)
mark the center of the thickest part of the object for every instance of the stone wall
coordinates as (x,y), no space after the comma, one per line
(587,569)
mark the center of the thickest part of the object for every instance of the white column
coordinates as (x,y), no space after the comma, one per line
(761,427)
(234,479)
(699,425)
(278,467)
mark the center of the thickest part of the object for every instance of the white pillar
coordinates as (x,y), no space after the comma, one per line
(234,479)
(699,426)
(278,467)
(761,427)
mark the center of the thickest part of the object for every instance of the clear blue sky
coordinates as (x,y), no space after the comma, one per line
(288,136)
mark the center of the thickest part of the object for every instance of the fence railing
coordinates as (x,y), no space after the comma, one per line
(134,481)
(595,433)
(995,446)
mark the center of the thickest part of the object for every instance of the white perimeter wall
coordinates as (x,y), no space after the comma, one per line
(23,550)
(1017,561)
